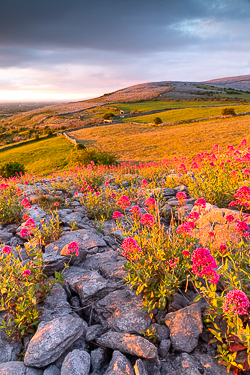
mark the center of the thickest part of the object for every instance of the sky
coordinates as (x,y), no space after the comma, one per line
(77,49)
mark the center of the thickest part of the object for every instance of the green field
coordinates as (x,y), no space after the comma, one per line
(160,105)
(186,114)
(40,156)
(141,142)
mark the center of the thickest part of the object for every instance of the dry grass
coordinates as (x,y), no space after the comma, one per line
(140,142)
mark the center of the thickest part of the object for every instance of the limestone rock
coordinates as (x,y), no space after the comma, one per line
(12,368)
(164,347)
(123,311)
(35,371)
(52,339)
(139,368)
(130,344)
(55,305)
(52,370)
(98,360)
(109,264)
(8,349)
(85,283)
(76,363)
(185,327)
(119,365)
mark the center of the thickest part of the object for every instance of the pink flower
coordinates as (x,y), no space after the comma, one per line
(241,226)
(144,182)
(181,196)
(194,165)
(223,248)
(73,248)
(135,210)
(123,201)
(30,223)
(25,203)
(130,248)
(243,196)
(211,234)
(26,272)
(204,264)
(116,215)
(182,168)
(193,216)
(106,183)
(186,253)
(6,250)
(172,263)
(56,204)
(246,171)
(185,229)
(150,203)
(230,218)
(201,203)
(243,143)
(24,232)
(147,220)
(26,217)
(236,302)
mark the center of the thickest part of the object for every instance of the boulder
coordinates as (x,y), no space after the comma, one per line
(76,363)
(122,310)
(109,264)
(164,347)
(139,368)
(52,370)
(119,365)
(12,368)
(8,349)
(129,344)
(98,360)
(52,339)
(185,327)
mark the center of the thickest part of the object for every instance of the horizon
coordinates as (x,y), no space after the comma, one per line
(64,51)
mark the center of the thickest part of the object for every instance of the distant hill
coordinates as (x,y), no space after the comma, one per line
(238,83)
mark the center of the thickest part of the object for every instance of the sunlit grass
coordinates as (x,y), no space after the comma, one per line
(141,142)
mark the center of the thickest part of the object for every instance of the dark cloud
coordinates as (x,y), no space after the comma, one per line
(93,45)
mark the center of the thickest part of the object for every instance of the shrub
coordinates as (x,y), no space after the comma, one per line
(86,156)
(11,169)
(10,205)
(157,120)
(108,116)
(228,111)
(80,146)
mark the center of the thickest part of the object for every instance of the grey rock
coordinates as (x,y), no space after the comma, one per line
(98,360)
(119,365)
(8,348)
(164,347)
(12,368)
(85,283)
(52,339)
(76,363)
(152,366)
(109,264)
(52,370)
(94,331)
(55,305)
(122,310)
(37,214)
(5,236)
(182,300)
(185,327)
(140,368)
(87,239)
(129,344)
(162,331)
(78,344)
(34,371)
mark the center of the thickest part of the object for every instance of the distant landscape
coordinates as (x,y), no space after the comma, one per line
(190,113)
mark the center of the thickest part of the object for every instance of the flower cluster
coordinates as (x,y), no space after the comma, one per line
(73,248)
(201,203)
(147,220)
(181,196)
(236,302)
(130,249)
(150,203)
(204,264)
(135,211)
(123,201)
(242,197)
(186,228)
(116,215)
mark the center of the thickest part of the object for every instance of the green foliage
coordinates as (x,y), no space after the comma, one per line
(108,116)
(157,120)
(228,111)
(10,206)
(22,288)
(11,169)
(80,146)
(87,156)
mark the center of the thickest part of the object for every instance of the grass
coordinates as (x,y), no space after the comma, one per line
(160,105)
(40,157)
(141,142)
(187,114)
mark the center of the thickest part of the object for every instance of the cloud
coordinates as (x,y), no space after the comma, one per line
(87,47)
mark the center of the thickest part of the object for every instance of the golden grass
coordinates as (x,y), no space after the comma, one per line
(141,142)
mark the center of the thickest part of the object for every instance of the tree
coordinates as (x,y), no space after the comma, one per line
(157,120)
(108,116)
(228,111)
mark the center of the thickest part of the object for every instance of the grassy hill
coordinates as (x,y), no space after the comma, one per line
(40,157)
